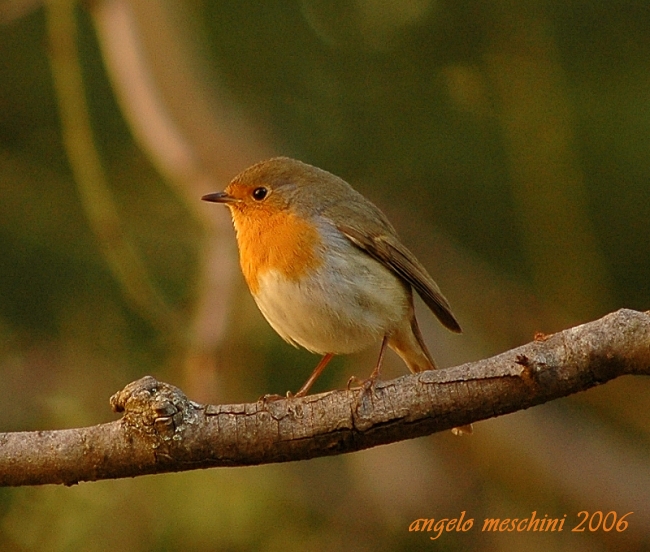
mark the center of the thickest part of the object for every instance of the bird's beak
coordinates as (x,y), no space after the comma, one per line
(220,197)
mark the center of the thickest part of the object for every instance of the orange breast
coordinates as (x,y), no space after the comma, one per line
(275,240)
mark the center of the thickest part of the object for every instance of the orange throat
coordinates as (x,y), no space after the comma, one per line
(279,241)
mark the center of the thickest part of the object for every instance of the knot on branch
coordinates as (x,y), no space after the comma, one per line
(155,407)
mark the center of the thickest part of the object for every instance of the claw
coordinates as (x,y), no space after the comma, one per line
(354,381)
(270,397)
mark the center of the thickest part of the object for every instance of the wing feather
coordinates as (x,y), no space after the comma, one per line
(389,251)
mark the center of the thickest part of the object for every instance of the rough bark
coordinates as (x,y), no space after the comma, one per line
(163,431)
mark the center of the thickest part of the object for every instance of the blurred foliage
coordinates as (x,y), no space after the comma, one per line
(521,130)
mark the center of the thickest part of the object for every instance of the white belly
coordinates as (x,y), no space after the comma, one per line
(346,305)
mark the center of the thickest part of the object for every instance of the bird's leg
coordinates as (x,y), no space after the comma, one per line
(375,373)
(314,376)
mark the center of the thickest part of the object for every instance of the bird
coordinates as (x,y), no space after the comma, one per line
(326,267)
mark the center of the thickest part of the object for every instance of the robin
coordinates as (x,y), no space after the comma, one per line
(326,267)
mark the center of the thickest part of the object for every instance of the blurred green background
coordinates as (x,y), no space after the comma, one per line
(509,143)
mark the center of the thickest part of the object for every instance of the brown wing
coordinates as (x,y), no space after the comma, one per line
(392,254)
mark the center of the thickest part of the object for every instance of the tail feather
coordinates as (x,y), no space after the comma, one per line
(415,328)
(409,344)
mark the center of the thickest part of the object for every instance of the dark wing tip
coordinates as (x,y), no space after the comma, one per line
(450,322)
(440,307)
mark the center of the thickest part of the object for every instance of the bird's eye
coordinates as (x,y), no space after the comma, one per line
(260,193)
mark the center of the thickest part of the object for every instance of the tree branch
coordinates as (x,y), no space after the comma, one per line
(163,431)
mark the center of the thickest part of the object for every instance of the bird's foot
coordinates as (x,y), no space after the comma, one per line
(272,397)
(354,383)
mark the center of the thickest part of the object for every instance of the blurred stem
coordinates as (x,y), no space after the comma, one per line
(96,198)
(547,182)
